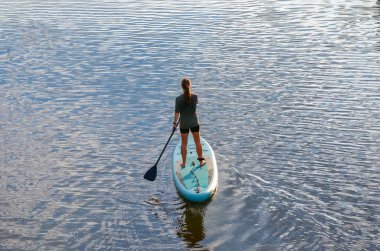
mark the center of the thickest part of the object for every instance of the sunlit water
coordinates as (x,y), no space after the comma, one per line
(289,100)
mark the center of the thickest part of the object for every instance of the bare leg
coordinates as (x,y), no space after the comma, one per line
(184,137)
(198,144)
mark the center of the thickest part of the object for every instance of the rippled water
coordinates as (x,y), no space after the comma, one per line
(289,99)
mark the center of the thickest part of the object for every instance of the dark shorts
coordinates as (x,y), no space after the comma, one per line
(186,130)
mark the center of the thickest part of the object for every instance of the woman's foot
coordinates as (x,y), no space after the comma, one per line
(183,166)
(202,161)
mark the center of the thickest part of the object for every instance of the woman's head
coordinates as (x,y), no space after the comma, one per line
(185,83)
(186,87)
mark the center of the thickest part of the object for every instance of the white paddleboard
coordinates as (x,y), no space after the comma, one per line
(194,182)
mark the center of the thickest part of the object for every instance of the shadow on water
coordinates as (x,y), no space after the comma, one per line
(191,225)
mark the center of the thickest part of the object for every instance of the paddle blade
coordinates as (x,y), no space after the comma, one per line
(151,173)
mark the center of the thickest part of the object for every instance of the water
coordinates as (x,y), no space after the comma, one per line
(289,99)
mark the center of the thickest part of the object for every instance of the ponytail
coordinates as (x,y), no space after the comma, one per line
(185,83)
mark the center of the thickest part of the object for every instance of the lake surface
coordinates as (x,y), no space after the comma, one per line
(289,97)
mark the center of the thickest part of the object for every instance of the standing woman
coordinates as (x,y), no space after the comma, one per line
(186,111)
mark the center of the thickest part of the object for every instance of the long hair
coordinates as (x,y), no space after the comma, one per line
(185,83)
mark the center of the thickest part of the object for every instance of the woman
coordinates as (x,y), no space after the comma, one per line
(186,111)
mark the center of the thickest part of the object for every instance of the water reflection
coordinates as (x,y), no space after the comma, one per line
(192,229)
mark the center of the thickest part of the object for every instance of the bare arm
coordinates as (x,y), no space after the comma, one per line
(176,117)
(175,121)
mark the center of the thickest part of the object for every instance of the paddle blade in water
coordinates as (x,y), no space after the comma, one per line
(151,173)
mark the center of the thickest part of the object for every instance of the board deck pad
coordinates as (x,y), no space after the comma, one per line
(193,173)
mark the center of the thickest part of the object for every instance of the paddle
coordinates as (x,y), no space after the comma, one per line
(152,172)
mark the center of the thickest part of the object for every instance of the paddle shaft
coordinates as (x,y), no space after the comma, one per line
(171,135)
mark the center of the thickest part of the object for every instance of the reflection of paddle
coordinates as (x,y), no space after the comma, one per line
(152,172)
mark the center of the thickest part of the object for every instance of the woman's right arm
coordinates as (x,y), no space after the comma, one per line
(175,120)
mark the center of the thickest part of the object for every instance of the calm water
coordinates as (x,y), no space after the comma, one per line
(289,100)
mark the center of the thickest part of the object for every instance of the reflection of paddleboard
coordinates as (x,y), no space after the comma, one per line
(194,182)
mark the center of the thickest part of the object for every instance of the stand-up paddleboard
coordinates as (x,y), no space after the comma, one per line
(194,182)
